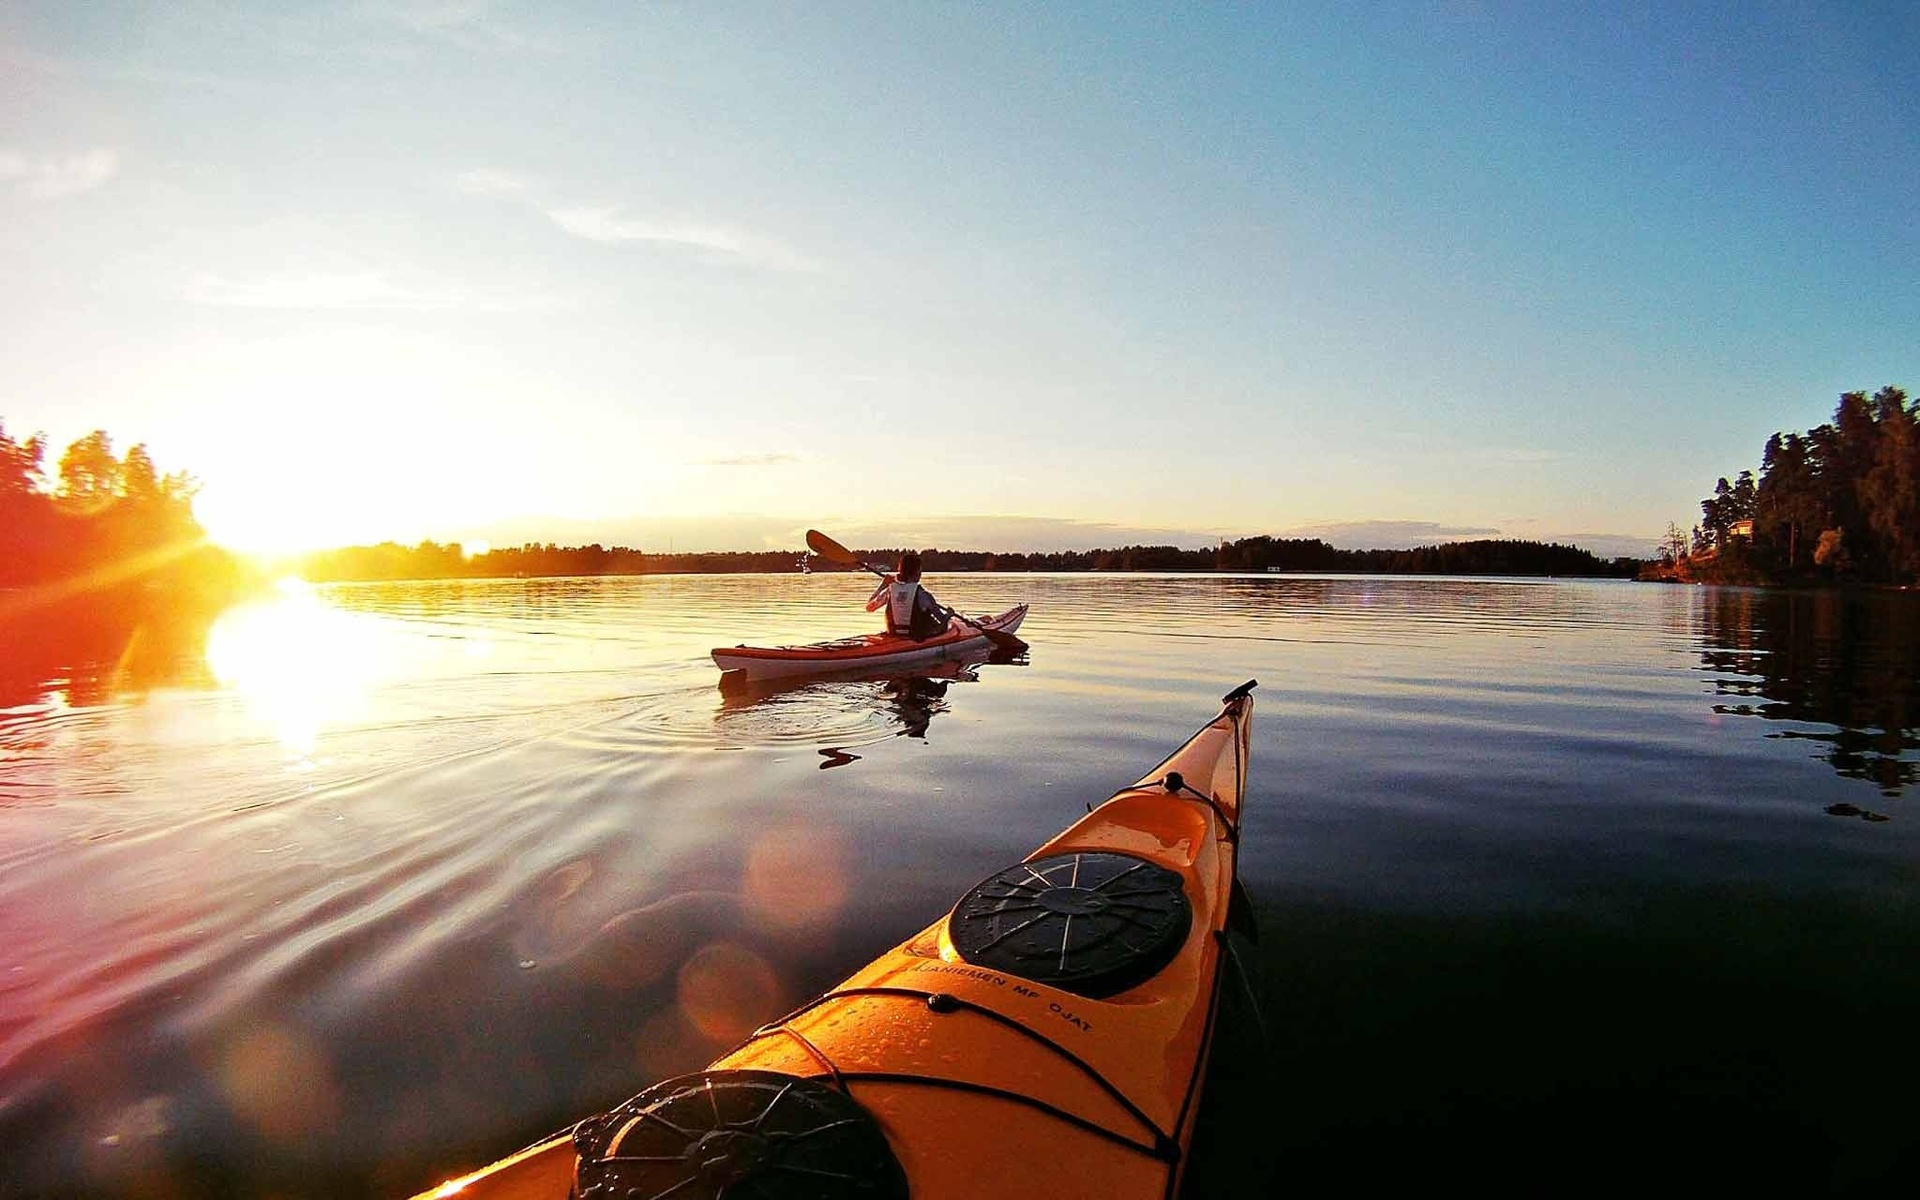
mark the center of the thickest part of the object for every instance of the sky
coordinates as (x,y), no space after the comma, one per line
(1000,276)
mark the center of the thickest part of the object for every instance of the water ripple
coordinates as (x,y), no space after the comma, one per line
(453,888)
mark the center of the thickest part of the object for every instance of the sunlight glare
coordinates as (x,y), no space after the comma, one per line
(301,665)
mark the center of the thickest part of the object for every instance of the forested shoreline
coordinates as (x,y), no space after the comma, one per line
(97,514)
(436,560)
(1839,503)
(106,578)
(109,526)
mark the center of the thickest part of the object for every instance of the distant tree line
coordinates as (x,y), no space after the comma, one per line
(447,560)
(1263,553)
(435,560)
(1838,502)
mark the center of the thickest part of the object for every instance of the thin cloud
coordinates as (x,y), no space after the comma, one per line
(488,182)
(739,531)
(1605,545)
(684,534)
(54,178)
(1526,457)
(466,24)
(612,224)
(751,460)
(1016,533)
(992,533)
(1389,535)
(367,290)
(1405,535)
(168,77)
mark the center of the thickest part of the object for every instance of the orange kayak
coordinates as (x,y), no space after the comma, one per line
(1047,1037)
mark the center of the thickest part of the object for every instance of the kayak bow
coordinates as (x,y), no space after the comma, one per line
(866,652)
(1047,1037)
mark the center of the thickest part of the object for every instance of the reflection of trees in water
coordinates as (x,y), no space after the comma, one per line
(1848,660)
(99,647)
(542,600)
(106,582)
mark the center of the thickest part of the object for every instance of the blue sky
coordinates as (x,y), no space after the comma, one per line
(1058,274)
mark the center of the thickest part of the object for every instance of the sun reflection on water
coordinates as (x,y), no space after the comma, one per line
(301,665)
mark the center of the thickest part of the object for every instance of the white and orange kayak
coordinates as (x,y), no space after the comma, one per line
(866,652)
(1046,1037)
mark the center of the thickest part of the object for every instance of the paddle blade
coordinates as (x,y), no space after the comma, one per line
(827,548)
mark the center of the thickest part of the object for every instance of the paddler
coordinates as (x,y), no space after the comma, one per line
(911,609)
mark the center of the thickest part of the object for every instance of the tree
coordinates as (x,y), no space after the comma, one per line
(1741,502)
(1890,490)
(1673,547)
(1787,503)
(20,464)
(89,473)
(1713,518)
(1730,504)
(139,482)
(1856,448)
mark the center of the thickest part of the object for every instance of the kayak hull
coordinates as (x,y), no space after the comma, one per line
(875,651)
(985,1081)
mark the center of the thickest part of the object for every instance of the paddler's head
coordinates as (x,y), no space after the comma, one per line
(910,567)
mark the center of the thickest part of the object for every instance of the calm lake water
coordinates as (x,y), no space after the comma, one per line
(1562,885)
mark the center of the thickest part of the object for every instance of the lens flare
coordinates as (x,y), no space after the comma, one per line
(279,1082)
(727,991)
(796,879)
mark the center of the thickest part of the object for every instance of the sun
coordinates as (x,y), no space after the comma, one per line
(358,445)
(264,524)
(299,511)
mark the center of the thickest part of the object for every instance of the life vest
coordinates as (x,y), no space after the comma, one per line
(900,598)
(897,597)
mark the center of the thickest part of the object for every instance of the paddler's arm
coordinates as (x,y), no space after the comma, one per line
(878,600)
(940,611)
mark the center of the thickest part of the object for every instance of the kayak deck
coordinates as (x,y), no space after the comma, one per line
(864,651)
(998,1051)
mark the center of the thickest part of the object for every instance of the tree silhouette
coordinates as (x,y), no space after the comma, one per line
(20,466)
(111,585)
(89,474)
(1890,490)
(103,517)
(139,482)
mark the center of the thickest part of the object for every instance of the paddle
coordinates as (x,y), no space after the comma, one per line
(833,551)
